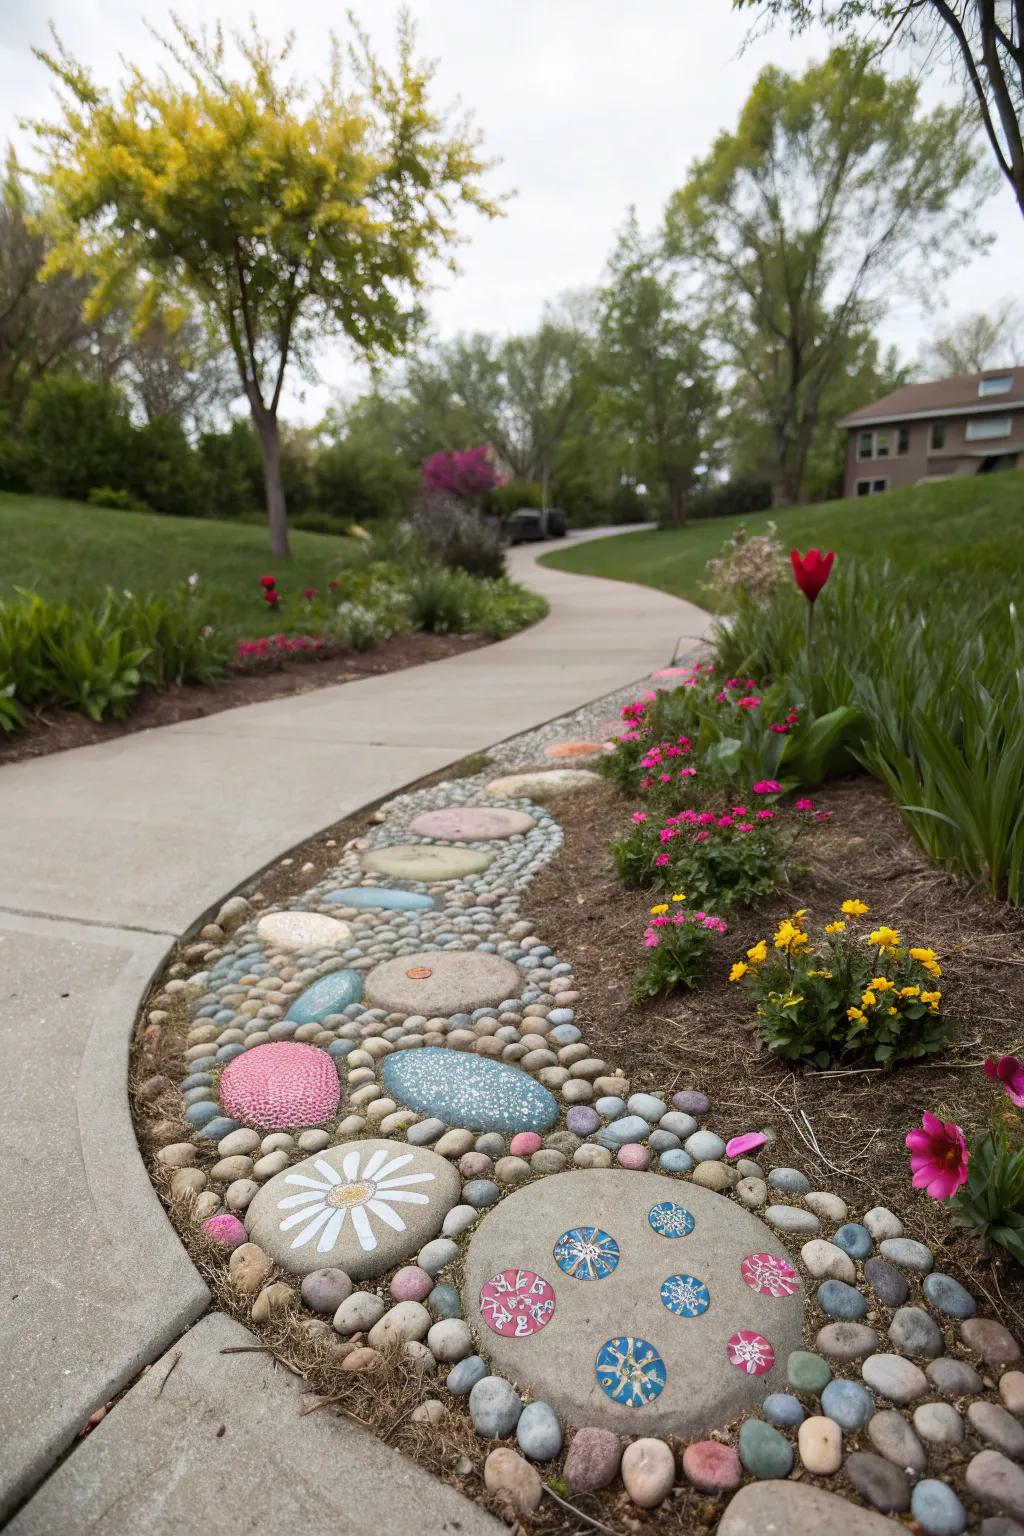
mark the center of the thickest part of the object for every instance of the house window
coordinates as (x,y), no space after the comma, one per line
(866,445)
(871,487)
(881,445)
(999,384)
(936,436)
(902,440)
(981,427)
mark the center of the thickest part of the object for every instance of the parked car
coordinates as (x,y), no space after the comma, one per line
(530,524)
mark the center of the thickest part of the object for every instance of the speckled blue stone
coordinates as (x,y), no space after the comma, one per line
(218,1129)
(841,1300)
(331,994)
(854,1240)
(948,1295)
(848,1403)
(468,1091)
(780,1408)
(937,1509)
(202,1114)
(368,896)
(204,1063)
(675,1160)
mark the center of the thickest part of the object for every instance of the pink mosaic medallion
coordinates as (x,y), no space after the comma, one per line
(516,1303)
(749,1352)
(280,1084)
(769,1275)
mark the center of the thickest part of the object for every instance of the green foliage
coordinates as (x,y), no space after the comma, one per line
(716,866)
(119,500)
(735,497)
(78,435)
(677,955)
(991,1203)
(447,601)
(514,495)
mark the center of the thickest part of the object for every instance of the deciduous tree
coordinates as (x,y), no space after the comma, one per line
(977,341)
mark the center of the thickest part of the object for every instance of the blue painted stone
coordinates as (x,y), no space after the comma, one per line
(841,1300)
(847,1403)
(444,1301)
(937,1509)
(586,1253)
(369,896)
(630,1371)
(199,1095)
(782,1409)
(854,1240)
(610,1106)
(628,1128)
(196,1080)
(948,1295)
(202,1114)
(203,1063)
(468,1091)
(670,1220)
(229,1052)
(675,1161)
(462,1378)
(331,994)
(218,1129)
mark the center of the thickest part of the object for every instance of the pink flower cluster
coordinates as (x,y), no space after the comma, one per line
(272,647)
(468,474)
(939,1156)
(702,825)
(678,920)
(783,728)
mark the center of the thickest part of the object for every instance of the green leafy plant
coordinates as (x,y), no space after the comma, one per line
(678,946)
(849,996)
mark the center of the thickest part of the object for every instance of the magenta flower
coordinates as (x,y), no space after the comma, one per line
(764,815)
(651,940)
(638,816)
(1008,1070)
(687,773)
(701,837)
(748,1142)
(767,787)
(804,804)
(938,1157)
(662,860)
(750,702)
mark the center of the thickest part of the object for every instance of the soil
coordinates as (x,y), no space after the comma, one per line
(844,1128)
(57,729)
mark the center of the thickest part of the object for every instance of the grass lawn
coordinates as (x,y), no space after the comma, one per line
(974,526)
(64,549)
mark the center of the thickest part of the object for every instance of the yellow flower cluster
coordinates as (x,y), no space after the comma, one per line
(659,909)
(926,958)
(790,936)
(884,938)
(855,908)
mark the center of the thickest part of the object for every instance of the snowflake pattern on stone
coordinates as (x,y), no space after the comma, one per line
(671,1220)
(630,1371)
(517,1303)
(685,1295)
(749,1352)
(769,1275)
(586,1253)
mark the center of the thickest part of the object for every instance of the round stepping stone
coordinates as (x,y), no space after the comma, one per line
(441,983)
(424,861)
(472,823)
(543,784)
(663,1369)
(799,1509)
(279,1084)
(369,898)
(301,930)
(362,1207)
(333,993)
(468,1091)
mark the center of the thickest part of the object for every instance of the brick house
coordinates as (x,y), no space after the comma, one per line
(970,424)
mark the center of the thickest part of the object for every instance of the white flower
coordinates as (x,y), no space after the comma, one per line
(326,1202)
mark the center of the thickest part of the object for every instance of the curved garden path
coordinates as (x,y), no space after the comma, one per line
(108,855)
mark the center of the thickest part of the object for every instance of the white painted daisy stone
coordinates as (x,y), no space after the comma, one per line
(301,930)
(362,1207)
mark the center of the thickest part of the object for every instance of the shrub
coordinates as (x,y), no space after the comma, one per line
(733,498)
(851,996)
(514,494)
(678,946)
(456,536)
(120,500)
(466,474)
(78,434)
(751,564)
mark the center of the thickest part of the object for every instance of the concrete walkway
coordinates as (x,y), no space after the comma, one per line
(108,855)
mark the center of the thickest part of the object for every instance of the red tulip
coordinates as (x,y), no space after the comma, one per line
(271,597)
(309,592)
(268,583)
(811,571)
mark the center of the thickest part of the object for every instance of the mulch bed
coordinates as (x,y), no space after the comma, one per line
(705,1039)
(56,729)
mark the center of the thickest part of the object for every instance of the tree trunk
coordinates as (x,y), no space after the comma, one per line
(270,451)
(677,503)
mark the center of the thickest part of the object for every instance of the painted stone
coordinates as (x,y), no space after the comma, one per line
(281,1083)
(301,930)
(586,1253)
(331,994)
(685,1298)
(630,1371)
(769,1275)
(670,1220)
(369,898)
(685,1295)
(441,983)
(749,1352)
(516,1303)
(563,749)
(424,861)
(543,784)
(466,1090)
(362,1207)
(472,823)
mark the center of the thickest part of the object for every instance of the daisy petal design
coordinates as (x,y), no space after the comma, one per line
(320,1207)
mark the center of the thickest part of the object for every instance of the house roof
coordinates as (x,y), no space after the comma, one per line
(955,396)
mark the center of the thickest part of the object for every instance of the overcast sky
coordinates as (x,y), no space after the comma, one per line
(590,105)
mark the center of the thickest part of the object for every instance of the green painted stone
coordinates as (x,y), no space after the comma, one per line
(331,994)
(424,861)
(807,1372)
(763,1451)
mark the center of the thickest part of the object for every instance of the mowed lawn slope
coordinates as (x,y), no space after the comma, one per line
(973,526)
(66,550)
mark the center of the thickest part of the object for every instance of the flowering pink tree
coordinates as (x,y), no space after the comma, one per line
(468,474)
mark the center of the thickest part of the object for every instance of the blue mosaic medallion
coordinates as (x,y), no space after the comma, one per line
(630,1371)
(685,1295)
(670,1220)
(586,1253)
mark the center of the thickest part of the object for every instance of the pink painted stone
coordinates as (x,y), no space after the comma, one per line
(225,1230)
(475,1165)
(712,1467)
(750,1353)
(525,1144)
(280,1084)
(517,1303)
(748,1142)
(769,1275)
(471,823)
(633,1155)
(411,1284)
